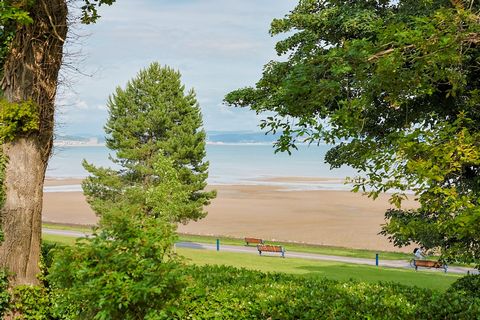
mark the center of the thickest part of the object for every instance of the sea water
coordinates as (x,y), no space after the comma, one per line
(229,164)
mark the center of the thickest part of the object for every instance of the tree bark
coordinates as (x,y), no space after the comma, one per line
(30,73)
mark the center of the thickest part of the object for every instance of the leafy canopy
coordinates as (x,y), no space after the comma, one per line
(17,13)
(395,86)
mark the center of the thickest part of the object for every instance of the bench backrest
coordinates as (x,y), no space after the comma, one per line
(269,248)
(253,240)
(428,264)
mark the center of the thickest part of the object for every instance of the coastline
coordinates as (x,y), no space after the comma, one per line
(323,217)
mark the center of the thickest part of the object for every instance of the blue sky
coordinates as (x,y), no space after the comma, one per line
(218,46)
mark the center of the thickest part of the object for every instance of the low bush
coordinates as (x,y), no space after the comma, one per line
(125,272)
(31,302)
(4,294)
(469,285)
(230,293)
(221,292)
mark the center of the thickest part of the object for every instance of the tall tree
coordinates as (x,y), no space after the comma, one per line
(32,36)
(395,85)
(152,116)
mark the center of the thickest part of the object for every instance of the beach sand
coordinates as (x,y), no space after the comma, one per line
(337,218)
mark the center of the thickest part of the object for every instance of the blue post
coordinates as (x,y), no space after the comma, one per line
(376,259)
(218,244)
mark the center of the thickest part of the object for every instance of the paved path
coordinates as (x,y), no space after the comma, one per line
(289,254)
(68,233)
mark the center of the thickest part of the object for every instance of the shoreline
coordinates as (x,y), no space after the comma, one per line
(317,217)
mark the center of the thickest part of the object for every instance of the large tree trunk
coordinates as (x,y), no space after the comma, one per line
(30,73)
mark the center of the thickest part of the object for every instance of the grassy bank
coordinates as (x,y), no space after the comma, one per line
(304,267)
(307,248)
(289,246)
(321,269)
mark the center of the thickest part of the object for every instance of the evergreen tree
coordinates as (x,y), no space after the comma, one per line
(151,117)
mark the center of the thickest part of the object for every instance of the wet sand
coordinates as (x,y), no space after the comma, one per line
(337,218)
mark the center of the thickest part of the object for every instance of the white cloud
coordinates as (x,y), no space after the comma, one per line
(218,45)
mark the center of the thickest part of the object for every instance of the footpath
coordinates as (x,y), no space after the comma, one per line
(400,264)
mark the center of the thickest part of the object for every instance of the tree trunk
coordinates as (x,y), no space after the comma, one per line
(30,73)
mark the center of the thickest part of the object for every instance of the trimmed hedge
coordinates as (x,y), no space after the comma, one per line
(469,285)
(219,292)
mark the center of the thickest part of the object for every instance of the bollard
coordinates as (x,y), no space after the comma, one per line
(218,244)
(376,259)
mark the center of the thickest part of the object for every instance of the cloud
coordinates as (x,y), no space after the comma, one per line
(218,46)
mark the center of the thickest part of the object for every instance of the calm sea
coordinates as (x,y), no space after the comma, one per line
(229,164)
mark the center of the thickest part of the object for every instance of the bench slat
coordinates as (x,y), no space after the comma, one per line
(270,248)
(430,264)
(253,240)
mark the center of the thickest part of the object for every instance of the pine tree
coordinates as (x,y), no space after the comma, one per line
(152,117)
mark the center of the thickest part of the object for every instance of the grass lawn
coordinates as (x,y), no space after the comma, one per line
(305,267)
(66,227)
(327,250)
(66,240)
(315,268)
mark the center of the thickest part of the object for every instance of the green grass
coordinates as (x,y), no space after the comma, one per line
(307,248)
(66,240)
(66,227)
(305,267)
(321,269)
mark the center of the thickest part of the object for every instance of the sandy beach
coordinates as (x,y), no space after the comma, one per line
(337,218)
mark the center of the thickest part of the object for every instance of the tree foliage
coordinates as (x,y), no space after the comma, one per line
(15,13)
(127,269)
(395,86)
(153,117)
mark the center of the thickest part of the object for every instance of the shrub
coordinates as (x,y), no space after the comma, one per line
(125,272)
(469,285)
(226,292)
(32,302)
(4,294)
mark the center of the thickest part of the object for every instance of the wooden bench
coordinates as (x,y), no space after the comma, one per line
(429,264)
(253,240)
(270,248)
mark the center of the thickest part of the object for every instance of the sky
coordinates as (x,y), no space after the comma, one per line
(217,45)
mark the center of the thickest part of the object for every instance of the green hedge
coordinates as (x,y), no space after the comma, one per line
(217,292)
(220,292)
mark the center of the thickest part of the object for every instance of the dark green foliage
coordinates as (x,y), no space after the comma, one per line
(153,117)
(35,302)
(395,85)
(90,10)
(4,294)
(469,285)
(229,293)
(124,272)
(13,13)
(47,253)
(127,269)
(32,302)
